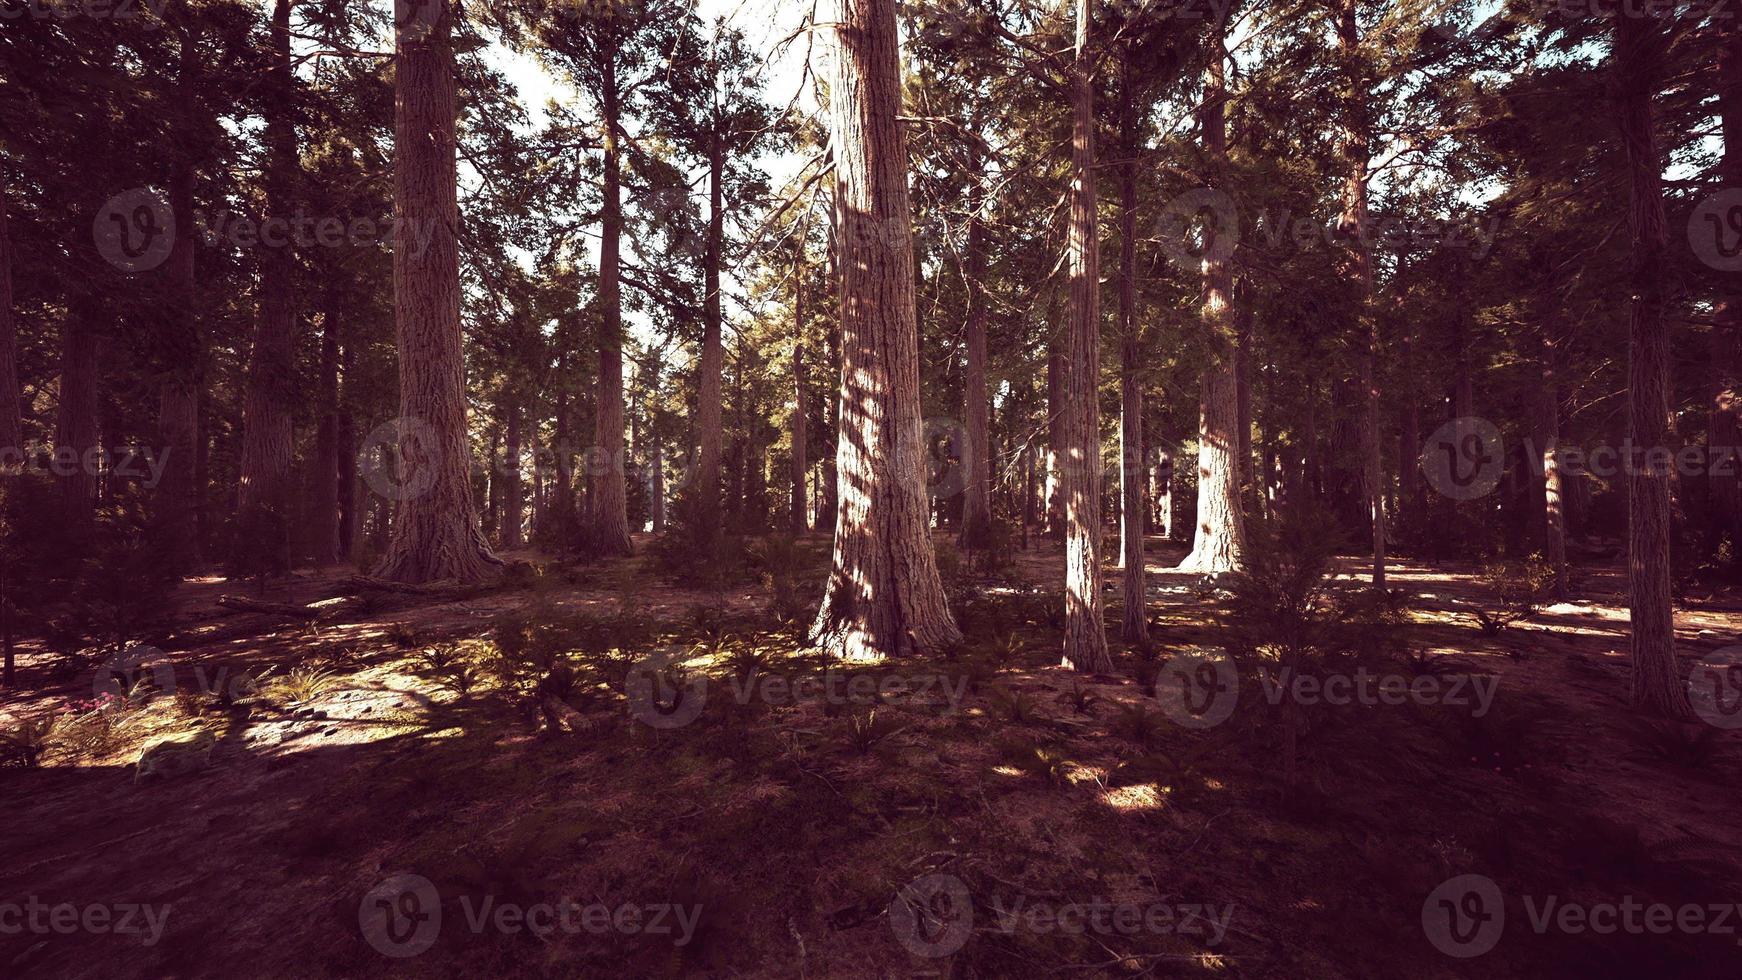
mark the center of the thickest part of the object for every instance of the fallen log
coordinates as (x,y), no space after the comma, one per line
(326,609)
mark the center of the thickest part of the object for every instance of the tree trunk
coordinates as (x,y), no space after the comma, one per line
(1132,511)
(183,352)
(1219,541)
(1548,433)
(1658,687)
(265,481)
(11,403)
(1352,226)
(345,434)
(976,405)
(705,485)
(75,439)
(658,486)
(1055,407)
(1724,424)
(513,498)
(1085,633)
(323,520)
(884,596)
(608,532)
(436,534)
(800,518)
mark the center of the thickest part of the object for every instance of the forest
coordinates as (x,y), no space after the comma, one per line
(870,488)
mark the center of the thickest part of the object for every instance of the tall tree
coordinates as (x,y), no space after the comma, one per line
(436,534)
(1085,632)
(1658,686)
(1133,512)
(884,596)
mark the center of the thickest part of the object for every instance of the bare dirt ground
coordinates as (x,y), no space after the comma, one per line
(787,830)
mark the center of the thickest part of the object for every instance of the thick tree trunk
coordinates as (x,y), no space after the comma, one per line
(658,486)
(884,596)
(608,531)
(1548,433)
(1219,541)
(705,484)
(513,498)
(976,405)
(1724,423)
(799,521)
(436,534)
(265,481)
(1085,632)
(1132,512)
(1658,686)
(183,350)
(11,405)
(1352,226)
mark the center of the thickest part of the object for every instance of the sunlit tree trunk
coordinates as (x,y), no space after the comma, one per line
(1352,226)
(1658,687)
(1219,540)
(1548,433)
(608,506)
(323,518)
(435,535)
(799,519)
(265,481)
(1053,496)
(1132,511)
(1080,462)
(884,596)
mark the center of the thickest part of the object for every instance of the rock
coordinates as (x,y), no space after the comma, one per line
(176,755)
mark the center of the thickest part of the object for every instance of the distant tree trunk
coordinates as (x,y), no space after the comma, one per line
(265,481)
(976,405)
(436,534)
(345,435)
(1132,511)
(561,507)
(76,426)
(513,499)
(1055,408)
(1352,226)
(1658,687)
(608,532)
(711,369)
(1219,540)
(1243,316)
(11,403)
(1548,433)
(1085,633)
(1724,425)
(800,466)
(658,488)
(1161,476)
(884,596)
(324,507)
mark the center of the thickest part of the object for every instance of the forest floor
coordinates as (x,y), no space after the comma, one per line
(1057,825)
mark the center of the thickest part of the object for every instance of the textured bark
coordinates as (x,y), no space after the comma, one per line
(513,497)
(884,596)
(1219,541)
(345,434)
(705,485)
(183,352)
(799,520)
(76,425)
(436,534)
(976,405)
(1658,687)
(1352,226)
(323,515)
(1085,631)
(1724,421)
(11,406)
(265,482)
(1132,511)
(608,513)
(1053,497)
